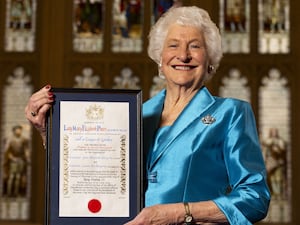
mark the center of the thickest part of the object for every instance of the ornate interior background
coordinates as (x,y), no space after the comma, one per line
(99,44)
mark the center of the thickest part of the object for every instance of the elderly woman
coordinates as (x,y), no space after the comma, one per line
(204,162)
(204,159)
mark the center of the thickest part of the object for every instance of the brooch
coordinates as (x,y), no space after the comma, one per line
(208,119)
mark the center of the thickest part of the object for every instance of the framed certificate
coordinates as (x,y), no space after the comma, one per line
(94,160)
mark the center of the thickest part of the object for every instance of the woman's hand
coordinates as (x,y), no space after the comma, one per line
(204,213)
(160,215)
(38,105)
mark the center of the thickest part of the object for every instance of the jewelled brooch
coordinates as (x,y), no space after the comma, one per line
(208,119)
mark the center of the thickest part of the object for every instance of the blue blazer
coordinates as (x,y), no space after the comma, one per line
(211,152)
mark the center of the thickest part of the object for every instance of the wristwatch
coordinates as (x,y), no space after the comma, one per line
(188,218)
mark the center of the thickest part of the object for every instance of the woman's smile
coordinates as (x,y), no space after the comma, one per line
(184,56)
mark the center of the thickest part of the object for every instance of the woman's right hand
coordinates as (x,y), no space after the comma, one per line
(37,107)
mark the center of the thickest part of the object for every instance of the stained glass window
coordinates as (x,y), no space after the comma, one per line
(235,86)
(126,80)
(15,172)
(20,25)
(127,25)
(87,79)
(235,25)
(159,7)
(274,26)
(88,25)
(275,132)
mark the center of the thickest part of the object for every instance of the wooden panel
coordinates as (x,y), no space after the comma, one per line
(56,63)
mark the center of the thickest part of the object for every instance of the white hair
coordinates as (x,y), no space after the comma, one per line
(187,16)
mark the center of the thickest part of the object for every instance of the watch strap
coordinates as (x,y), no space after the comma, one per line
(188,218)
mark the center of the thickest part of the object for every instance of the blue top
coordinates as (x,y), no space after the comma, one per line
(211,152)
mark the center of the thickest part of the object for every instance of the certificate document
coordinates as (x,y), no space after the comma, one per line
(94,159)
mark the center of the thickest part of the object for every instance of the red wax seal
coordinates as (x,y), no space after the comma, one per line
(94,205)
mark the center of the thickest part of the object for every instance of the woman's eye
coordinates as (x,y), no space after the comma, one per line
(172,45)
(195,46)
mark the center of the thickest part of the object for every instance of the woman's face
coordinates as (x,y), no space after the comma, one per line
(184,57)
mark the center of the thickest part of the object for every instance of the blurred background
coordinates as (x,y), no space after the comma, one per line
(103,44)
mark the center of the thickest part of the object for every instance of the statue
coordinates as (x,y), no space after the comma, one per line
(16,158)
(274,149)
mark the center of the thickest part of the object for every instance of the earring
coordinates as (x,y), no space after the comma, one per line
(160,73)
(210,68)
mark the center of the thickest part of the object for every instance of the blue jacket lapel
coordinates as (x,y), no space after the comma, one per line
(195,110)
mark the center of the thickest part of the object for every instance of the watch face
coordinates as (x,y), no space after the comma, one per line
(188,219)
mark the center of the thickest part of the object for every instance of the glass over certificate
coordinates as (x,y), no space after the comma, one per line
(94,161)
(94,150)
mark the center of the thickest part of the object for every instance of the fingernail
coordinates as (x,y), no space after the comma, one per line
(50,94)
(51,98)
(48,86)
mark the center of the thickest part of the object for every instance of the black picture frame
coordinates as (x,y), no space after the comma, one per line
(134,99)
